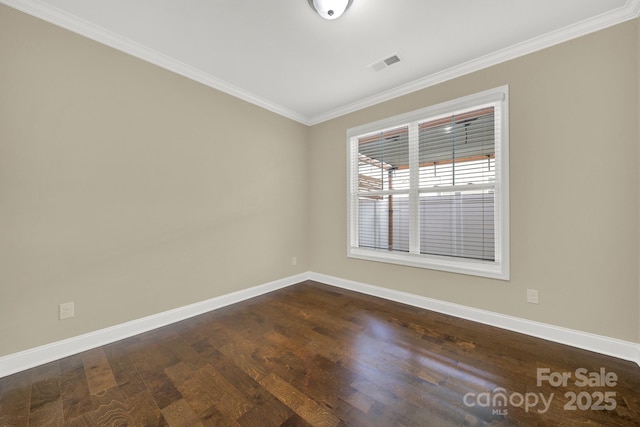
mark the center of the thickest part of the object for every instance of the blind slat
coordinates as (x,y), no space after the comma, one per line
(452,152)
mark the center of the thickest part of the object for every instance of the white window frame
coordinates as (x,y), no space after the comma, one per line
(498,269)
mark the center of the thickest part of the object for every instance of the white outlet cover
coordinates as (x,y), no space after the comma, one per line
(67,310)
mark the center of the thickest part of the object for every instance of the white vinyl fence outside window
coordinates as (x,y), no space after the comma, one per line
(430,188)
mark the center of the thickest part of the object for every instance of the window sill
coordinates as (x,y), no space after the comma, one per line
(491,269)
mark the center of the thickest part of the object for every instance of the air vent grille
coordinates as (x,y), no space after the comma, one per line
(392,60)
(381,65)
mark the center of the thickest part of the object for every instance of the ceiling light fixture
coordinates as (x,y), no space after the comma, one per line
(330,9)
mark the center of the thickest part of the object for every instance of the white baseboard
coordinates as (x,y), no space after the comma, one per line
(17,362)
(23,360)
(621,349)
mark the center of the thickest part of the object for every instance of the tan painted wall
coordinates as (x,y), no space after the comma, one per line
(574,188)
(121,188)
(131,190)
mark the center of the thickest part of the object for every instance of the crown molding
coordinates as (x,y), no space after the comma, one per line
(101,35)
(625,13)
(35,8)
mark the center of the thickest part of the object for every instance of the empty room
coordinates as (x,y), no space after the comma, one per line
(320,213)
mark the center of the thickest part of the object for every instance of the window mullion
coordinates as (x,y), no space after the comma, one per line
(403,199)
(414,194)
(354,238)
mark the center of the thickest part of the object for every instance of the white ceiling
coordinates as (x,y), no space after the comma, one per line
(281,55)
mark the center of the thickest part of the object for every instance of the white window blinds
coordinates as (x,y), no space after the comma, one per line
(457,180)
(431,188)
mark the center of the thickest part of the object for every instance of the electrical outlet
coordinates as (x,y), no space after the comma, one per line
(67,310)
(294,261)
(532,296)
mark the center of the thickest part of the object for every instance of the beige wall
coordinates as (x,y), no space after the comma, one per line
(122,188)
(130,190)
(574,189)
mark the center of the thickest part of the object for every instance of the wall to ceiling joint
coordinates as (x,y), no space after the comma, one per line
(131,190)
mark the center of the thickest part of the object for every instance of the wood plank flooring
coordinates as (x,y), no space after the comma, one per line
(315,355)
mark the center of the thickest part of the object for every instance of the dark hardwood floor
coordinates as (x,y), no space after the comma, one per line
(316,355)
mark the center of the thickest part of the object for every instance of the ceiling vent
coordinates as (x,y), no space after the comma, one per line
(381,65)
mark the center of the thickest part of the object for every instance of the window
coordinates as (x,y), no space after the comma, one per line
(430,188)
